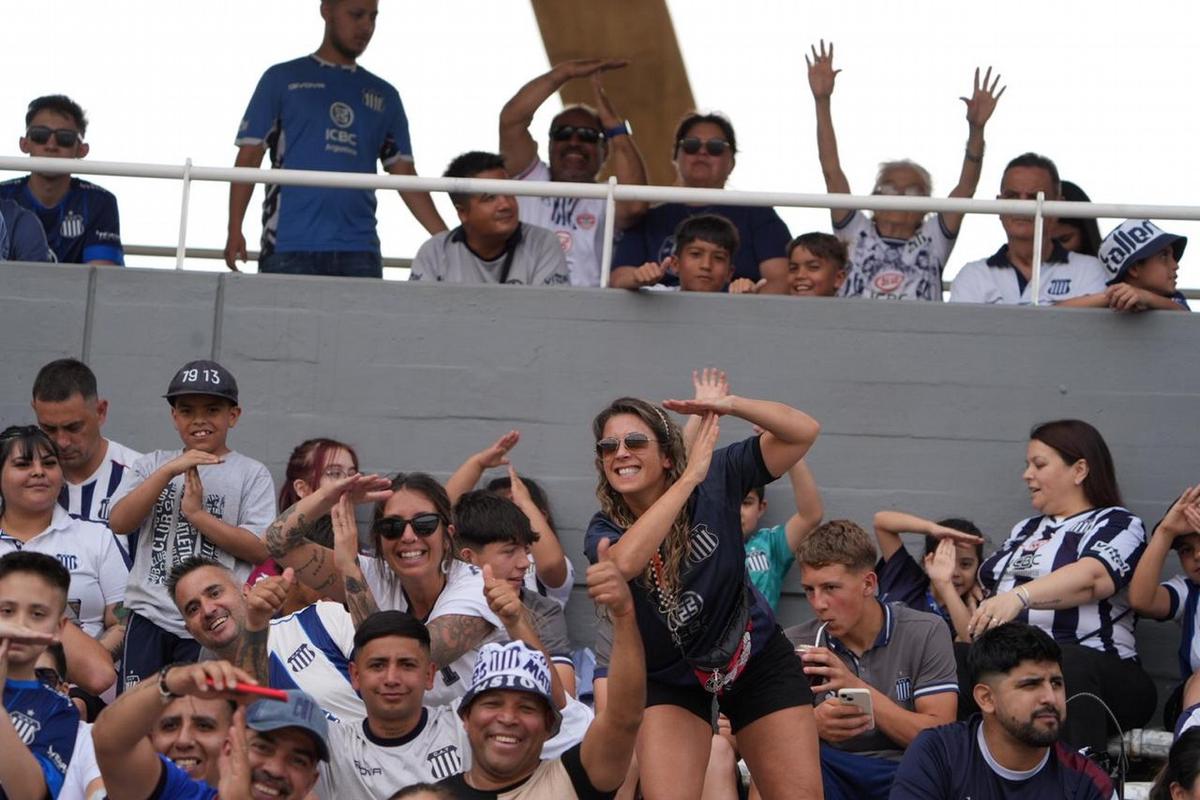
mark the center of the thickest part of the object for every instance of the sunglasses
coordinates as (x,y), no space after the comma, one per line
(393,527)
(889,189)
(633,441)
(691,145)
(563,133)
(63,137)
(48,676)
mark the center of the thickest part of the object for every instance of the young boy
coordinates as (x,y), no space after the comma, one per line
(1143,261)
(705,246)
(770,552)
(202,500)
(37,732)
(816,265)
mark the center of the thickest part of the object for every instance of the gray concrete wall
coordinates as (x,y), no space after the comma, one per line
(924,407)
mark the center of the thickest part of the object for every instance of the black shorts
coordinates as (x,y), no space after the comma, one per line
(773,680)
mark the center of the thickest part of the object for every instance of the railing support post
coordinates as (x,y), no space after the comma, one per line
(183,213)
(610,225)
(1038,224)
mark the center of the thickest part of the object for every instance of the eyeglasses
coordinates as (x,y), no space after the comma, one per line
(911,191)
(393,527)
(691,145)
(633,441)
(337,473)
(563,133)
(48,676)
(63,137)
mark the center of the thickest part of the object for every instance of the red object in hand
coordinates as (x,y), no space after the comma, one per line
(264,692)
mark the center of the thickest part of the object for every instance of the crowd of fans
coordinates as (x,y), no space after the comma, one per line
(172,626)
(325,112)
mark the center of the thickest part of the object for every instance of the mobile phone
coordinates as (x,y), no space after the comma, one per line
(265,692)
(859,698)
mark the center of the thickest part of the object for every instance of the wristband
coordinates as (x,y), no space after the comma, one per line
(618,130)
(165,694)
(1023,595)
(977,159)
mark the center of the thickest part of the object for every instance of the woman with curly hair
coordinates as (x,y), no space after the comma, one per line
(673,517)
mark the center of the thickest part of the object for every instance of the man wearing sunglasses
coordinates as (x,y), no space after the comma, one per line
(581,140)
(80,219)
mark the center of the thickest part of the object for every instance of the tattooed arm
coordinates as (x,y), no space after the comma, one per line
(358,598)
(262,603)
(454,634)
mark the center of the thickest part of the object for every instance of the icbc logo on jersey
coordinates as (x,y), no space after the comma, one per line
(340,140)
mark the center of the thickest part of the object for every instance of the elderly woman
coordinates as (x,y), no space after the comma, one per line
(897,254)
(704,155)
(1067,570)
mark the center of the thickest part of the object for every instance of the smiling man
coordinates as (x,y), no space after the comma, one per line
(491,245)
(1011,750)
(191,732)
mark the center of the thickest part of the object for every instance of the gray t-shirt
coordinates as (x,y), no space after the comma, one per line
(238,491)
(537,260)
(551,625)
(912,657)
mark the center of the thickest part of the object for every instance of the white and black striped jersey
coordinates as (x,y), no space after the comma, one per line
(363,766)
(91,498)
(1039,545)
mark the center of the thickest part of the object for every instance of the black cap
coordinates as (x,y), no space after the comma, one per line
(203,377)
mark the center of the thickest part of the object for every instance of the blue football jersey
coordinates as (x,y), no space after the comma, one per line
(84,226)
(314,115)
(47,722)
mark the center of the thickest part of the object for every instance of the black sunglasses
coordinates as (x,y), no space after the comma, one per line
(691,145)
(633,441)
(48,676)
(64,137)
(563,133)
(393,527)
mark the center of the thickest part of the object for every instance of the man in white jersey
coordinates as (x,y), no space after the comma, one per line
(70,411)
(1067,279)
(581,139)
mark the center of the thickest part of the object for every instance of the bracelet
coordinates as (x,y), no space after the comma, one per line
(1023,595)
(617,130)
(977,159)
(165,694)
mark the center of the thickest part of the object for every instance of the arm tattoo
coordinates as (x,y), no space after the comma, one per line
(283,535)
(454,634)
(359,600)
(251,654)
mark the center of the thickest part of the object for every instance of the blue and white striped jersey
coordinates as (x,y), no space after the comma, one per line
(1040,545)
(310,650)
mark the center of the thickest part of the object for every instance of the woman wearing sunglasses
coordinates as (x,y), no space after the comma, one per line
(413,568)
(31,519)
(896,254)
(674,517)
(704,155)
(1067,570)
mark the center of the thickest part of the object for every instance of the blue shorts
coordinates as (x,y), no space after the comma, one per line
(148,648)
(850,776)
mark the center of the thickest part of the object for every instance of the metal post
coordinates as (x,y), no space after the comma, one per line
(1038,223)
(183,213)
(610,225)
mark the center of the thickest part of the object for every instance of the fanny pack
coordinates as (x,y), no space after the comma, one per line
(719,665)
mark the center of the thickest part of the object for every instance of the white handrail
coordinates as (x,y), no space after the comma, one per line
(1038,222)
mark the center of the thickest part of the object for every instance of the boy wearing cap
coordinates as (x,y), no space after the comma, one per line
(1143,261)
(275,747)
(202,500)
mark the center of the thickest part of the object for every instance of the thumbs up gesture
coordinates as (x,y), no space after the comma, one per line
(503,600)
(266,598)
(606,585)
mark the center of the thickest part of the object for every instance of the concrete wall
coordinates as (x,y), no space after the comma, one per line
(924,407)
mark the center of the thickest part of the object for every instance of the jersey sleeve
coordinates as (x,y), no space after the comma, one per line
(339,625)
(133,477)
(924,772)
(740,466)
(1117,544)
(600,527)
(848,229)
(901,580)
(102,236)
(28,238)
(603,646)
(572,762)
(1177,591)
(937,671)
(112,572)
(257,508)
(970,285)
(551,624)
(463,595)
(397,144)
(262,115)
(941,240)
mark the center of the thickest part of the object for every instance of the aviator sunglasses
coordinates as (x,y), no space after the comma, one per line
(393,527)
(63,137)
(633,441)
(714,147)
(563,133)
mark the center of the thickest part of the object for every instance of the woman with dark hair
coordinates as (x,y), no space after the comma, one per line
(673,516)
(1077,234)
(413,568)
(704,154)
(1178,779)
(1067,570)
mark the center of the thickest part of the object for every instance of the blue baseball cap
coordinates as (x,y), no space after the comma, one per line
(1135,240)
(513,667)
(203,377)
(300,711)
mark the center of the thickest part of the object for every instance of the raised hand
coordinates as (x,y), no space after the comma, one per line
(649,274)
(345,533)
(190,459)
(700,454)
(710,383)
(206,679)
(192,502)
(520,492)
(983,99)
(586,67)
(233,764)
(943,533)
(605,110)
(266,597)
(1177,521)
(939,565)
(503,600)
(821,73)
(713,405)
(496,454)
(606,585)
(359,488)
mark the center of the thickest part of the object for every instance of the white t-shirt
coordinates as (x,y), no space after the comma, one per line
(311,650)
(83,768)
(90,553)
(238,491)
(463,594)
(578,222)
(894,269)
(1065,276)
(364,767)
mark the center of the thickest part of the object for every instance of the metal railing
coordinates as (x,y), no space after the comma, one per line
(610,192)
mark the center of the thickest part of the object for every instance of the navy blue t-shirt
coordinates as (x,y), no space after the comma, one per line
(175,784)
(948,763)
(901,580)
(83,227)
(714,572)
(763,235)
(47,723)
(26,241)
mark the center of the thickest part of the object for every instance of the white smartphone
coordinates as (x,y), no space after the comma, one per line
(861,699)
